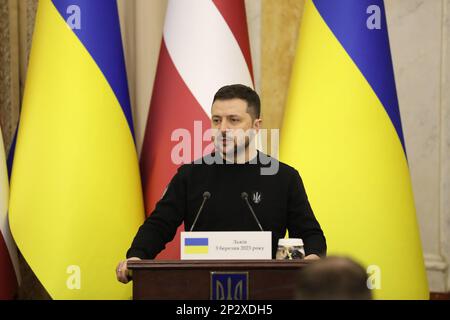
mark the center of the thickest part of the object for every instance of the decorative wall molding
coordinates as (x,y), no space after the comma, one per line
(437,271)
(444,218)
(9,75)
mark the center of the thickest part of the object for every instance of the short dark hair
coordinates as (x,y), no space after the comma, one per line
(333,278)
(239,91)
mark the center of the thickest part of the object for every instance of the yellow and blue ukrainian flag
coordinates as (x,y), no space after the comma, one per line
(76,199)
(196,245)
(342,130)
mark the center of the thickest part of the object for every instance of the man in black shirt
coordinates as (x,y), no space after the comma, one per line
(275,190)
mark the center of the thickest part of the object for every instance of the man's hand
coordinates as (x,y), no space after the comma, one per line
(312,257)
(122,271)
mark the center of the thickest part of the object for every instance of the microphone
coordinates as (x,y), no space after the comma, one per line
(206,196)
(244,196)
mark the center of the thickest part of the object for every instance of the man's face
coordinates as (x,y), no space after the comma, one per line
(235,126)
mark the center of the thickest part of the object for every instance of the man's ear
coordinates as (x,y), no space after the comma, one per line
(257,124)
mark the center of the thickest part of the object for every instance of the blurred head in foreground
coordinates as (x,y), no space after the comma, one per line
(333,278)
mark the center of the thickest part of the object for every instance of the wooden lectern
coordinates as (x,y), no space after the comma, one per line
(215,279)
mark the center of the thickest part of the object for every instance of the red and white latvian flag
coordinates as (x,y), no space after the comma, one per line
(205,46)
(9,266)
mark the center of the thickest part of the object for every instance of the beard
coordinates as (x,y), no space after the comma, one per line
(230,146)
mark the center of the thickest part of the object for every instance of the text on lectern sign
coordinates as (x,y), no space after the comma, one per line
(226,245)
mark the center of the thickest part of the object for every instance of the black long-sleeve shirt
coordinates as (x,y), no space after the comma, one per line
(279,201)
